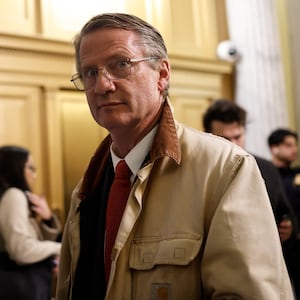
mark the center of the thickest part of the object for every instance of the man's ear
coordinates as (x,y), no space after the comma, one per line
(164,74)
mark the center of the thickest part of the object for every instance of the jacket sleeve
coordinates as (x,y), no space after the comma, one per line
(20,236)
(51,232)
(243,242)
(70,251)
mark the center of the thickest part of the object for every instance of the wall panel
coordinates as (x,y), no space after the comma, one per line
(20,124)
(19,16)
(80,138)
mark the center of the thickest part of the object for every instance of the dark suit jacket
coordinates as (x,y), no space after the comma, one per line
(276,192)
(291,250)
(292,187)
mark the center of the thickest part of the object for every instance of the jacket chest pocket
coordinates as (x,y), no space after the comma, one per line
(166,268)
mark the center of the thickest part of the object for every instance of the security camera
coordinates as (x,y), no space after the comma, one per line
(227,51)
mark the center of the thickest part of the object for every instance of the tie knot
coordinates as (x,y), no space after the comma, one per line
(122,170)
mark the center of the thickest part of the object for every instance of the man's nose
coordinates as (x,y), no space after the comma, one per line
(103,82)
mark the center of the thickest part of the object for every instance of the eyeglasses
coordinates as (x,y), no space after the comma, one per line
(114,70)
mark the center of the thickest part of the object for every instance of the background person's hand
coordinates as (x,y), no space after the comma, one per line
(40,206)
(55,265)
(285,229)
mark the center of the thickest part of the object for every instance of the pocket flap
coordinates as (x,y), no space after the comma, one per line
(144,255)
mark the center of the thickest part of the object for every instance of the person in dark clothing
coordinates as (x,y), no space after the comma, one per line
(227,119)
(275,190)
(283,145)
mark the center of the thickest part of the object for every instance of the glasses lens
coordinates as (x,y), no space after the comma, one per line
(118,69)
(77,81)
(115,70)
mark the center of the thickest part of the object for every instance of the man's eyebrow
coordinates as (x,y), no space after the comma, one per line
(110,59)
(231,138)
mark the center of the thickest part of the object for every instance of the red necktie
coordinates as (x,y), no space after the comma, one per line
(117,200)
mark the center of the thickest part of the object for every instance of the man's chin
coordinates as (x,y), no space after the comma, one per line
(113,125)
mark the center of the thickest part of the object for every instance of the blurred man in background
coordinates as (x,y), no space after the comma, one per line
(283,145)
(227,119)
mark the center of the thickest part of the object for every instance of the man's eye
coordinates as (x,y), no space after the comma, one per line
(119,64)
(90,73)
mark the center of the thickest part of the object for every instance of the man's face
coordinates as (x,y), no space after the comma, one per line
(287,151)
(233,132)
(129,104)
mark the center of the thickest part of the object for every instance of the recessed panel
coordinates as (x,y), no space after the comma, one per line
(18,16)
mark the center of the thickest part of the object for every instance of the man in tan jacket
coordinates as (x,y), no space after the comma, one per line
(198,222)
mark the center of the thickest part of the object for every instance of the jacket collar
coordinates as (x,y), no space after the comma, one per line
(166,142)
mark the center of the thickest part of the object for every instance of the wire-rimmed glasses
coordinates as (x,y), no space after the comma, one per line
(115,70)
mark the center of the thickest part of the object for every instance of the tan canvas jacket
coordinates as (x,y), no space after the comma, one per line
(198,225)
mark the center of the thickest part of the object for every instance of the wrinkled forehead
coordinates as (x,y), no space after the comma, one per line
(105,43)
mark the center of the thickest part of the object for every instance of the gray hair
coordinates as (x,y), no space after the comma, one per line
(151,39)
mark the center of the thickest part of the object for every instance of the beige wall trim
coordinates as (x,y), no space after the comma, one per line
(51,63)
(35,44)
(205,65)
(282,12)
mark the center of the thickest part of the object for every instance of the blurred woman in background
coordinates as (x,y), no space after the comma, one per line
(28,230)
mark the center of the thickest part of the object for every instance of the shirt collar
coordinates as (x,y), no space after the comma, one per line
(136,156)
